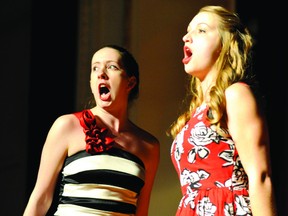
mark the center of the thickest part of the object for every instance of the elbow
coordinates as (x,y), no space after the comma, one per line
(260,178)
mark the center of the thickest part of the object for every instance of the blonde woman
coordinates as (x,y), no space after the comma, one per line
(221,143)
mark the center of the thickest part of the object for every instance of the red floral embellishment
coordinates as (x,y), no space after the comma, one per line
(96,138)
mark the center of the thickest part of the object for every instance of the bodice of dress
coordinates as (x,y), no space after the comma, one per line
(105,183)
(212,179)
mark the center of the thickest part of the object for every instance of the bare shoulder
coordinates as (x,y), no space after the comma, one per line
(146,145)
(238,91)
(240,95)
(241,102)
(64,124)
(66,134)
(144,135)
(66,121)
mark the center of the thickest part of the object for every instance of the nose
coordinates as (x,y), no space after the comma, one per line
(186,38)
(102,74)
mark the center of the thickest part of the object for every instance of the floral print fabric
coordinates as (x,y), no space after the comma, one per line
(213,181)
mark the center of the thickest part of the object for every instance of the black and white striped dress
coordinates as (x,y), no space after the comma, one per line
(107,183)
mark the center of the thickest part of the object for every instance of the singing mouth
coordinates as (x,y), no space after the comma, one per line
(187,55)
(104,92)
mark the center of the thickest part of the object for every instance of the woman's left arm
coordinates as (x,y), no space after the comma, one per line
(248,128)
(152,158)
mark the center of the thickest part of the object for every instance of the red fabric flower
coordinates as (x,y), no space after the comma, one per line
(96,138)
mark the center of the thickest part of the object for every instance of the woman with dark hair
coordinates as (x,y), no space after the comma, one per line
(107,163)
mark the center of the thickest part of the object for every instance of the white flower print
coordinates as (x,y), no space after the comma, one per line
(199,110)
(202,152)
(189,200)
(227,184)
(205,207)
(227,155)
(239,177)
(178,142)
(228,209)
(200,136)
(242,206)
(193,178)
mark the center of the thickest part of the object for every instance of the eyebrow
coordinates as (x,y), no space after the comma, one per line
(199,24)
(203,23)
(109,61)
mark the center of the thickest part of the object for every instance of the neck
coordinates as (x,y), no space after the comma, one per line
(116,122)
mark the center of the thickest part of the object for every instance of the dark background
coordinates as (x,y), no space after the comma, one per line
(39,39)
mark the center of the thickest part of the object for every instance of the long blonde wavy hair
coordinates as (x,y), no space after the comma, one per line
(233,65)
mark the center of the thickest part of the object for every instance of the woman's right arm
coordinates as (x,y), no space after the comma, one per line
(53,155)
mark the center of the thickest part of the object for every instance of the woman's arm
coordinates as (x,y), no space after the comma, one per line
(248,128)
(151,161)
(53,154)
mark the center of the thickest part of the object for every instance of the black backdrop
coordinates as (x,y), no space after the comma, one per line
(267,23)
(53,73)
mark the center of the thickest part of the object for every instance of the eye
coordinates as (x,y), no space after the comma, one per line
(95,68)
(113,67)
(200,30)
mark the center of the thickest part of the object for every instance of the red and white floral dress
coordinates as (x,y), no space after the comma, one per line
(213,181)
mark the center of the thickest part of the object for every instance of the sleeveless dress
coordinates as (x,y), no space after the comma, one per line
(212,179)
(103,183)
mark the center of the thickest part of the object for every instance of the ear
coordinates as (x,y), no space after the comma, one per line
(131,82)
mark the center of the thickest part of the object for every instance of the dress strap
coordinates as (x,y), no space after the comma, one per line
(78,114)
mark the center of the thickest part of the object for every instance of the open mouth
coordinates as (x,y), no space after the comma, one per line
(187,55)
(104,92)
